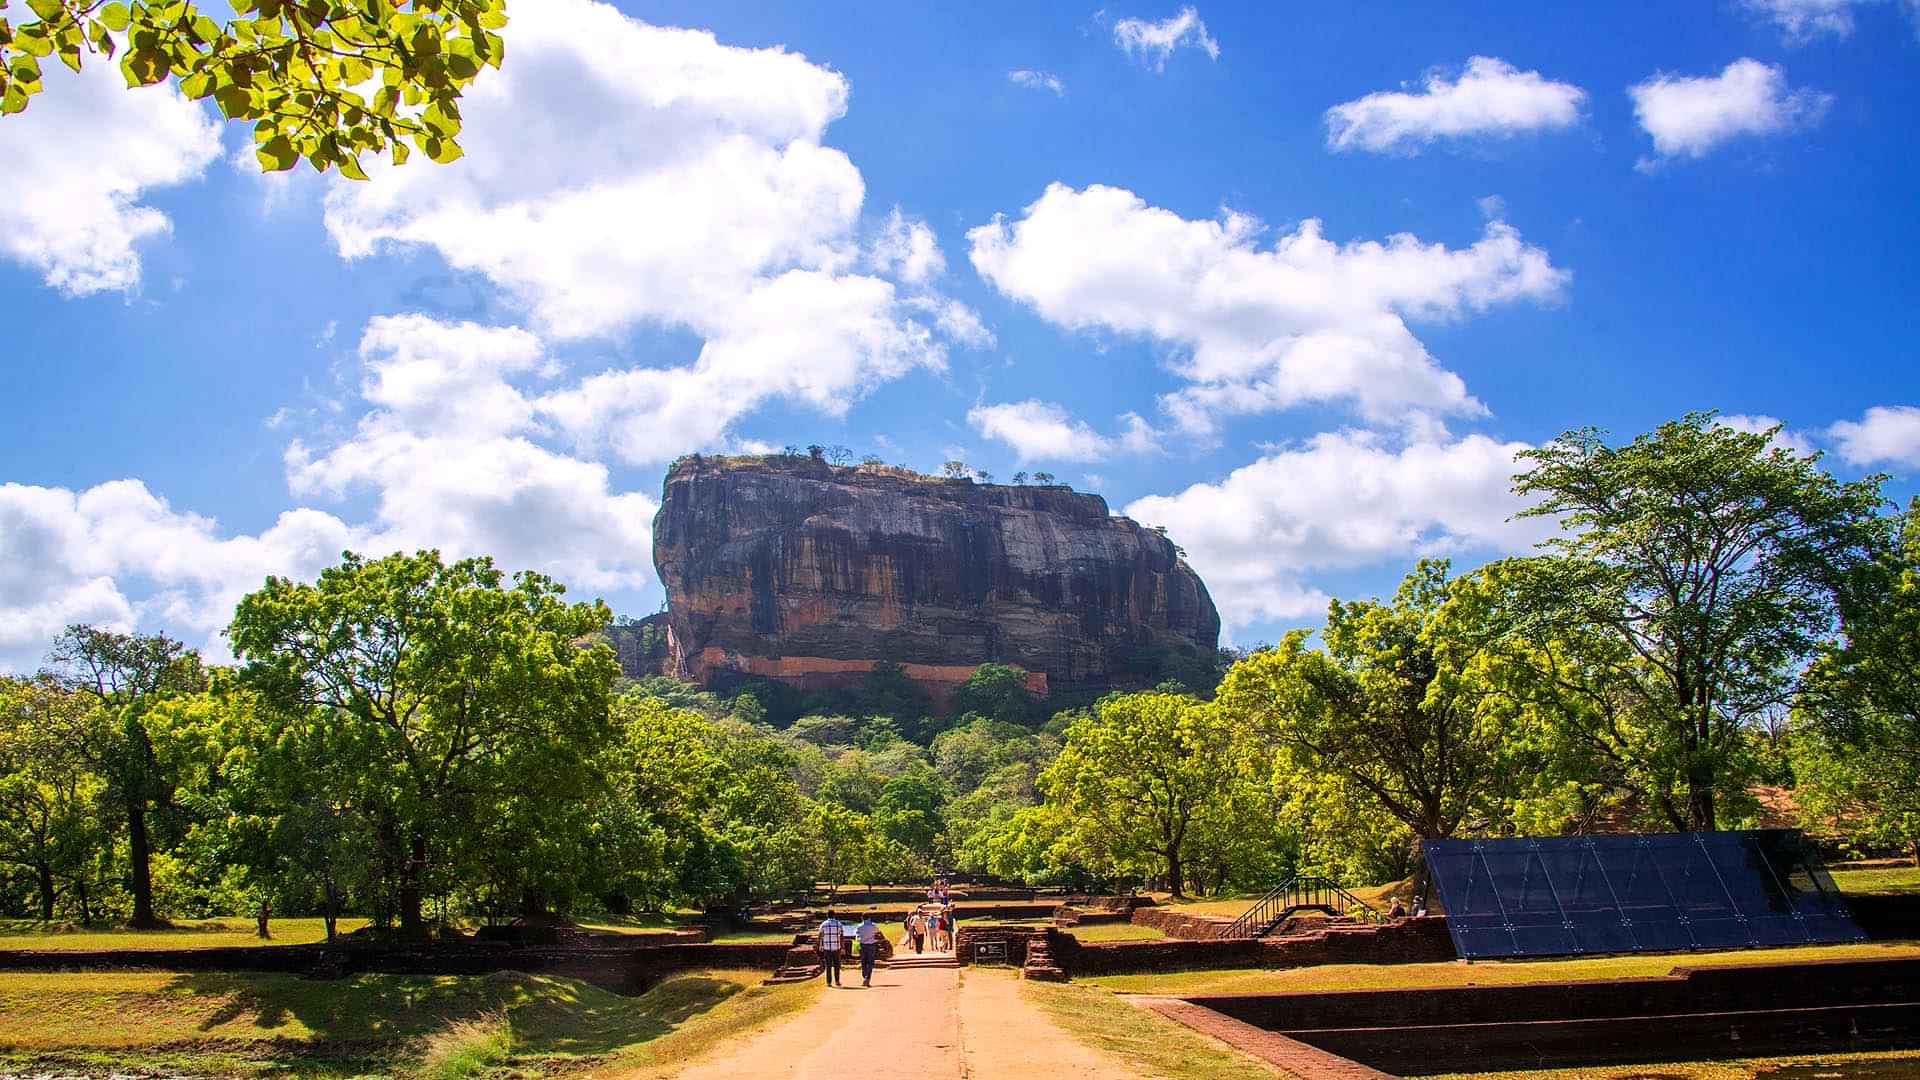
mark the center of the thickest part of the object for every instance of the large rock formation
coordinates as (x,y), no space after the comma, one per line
(797,570)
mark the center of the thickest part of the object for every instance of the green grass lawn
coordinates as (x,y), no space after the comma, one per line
(1152,1044)
(1877,879)
(1116,932)
(1482,973)
(373,1025)
(185,934)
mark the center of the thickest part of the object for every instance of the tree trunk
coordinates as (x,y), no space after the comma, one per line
(332,911)
(1700,803)
(47,893)
(1914,850)
(139,858)
(260,922)
(1176,876)
(86,902)
(412,925)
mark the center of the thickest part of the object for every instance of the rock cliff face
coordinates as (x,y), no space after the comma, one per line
(797,570)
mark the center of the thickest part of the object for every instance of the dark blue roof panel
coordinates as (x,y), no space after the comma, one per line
(1663,892)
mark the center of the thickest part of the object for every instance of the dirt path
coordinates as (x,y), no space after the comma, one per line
(925,1024)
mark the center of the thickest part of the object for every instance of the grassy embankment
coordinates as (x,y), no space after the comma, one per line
(1149,1043)
(375,1025)
(1881,880)
(184,934)
(1483,973)
(236,931)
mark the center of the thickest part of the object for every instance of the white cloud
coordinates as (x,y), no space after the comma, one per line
(805,336)
(1886,435)
(451,448)
(68,556)
(1801,21)
(908,249)
(1341,501)
(619,173)
(1304,321)
(1152,43)
(1756,424)
(1042,431)
(1491,98)
(73,209)
(1038,80)
(1688,117)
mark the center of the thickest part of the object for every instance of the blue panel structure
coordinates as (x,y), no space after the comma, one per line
(1663,892)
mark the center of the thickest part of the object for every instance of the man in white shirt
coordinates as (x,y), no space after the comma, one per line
(832,936)
(869,937)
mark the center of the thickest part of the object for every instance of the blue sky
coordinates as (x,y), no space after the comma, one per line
(1295,283)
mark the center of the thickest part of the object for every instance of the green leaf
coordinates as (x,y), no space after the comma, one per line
(234,101)
(143,67)
(276,154)
(70,56)
(400,152)
(115,16)
(197,86)
(34,44)
(444,151)
(350,168)
(48,10)
(14,100)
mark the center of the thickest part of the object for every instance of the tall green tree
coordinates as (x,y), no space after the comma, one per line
(453,689)
(1697,569)
(300,73)
(1856,735)
(1386,712)
(50,818)
(997,692)
(1136,775)
(126,676)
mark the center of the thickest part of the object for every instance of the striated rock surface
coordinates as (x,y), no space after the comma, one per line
(793,569)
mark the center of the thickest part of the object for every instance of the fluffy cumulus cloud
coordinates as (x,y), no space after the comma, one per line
(1153,43)
(1886,435)
(1690,116)
(618,174)
(453,451)
(1342,500)
(1257,327)
(118,555)
(1038,80)
(74,212)
(1491,98)
(451,447)
(1043,431)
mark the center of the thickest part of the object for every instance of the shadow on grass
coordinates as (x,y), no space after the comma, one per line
(548,1015)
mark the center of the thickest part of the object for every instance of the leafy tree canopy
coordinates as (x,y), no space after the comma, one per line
(324,80)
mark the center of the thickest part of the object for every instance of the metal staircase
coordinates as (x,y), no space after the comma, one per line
(1306,892)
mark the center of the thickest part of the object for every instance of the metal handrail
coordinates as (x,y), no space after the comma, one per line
(1303,891)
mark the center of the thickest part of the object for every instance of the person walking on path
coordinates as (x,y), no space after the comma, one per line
(832,936)
(868,935)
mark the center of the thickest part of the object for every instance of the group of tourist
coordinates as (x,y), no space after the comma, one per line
(929,925)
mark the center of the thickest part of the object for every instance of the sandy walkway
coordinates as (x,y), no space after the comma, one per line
(927,1024)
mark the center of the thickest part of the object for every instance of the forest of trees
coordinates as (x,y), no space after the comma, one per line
(416,741)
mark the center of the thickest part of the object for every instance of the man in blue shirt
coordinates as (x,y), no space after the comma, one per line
(869,937)
(832,935)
